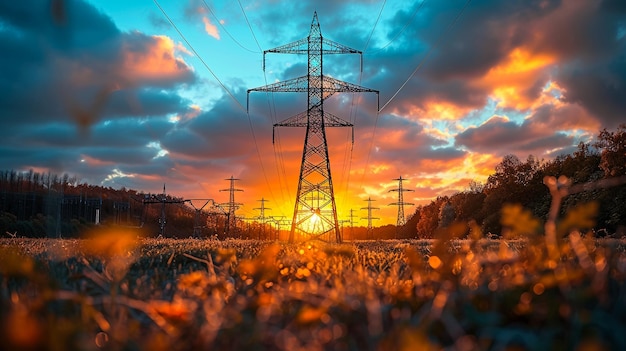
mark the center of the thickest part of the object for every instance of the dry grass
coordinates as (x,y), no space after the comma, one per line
(393,295)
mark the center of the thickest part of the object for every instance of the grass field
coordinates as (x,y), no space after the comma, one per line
(117,292)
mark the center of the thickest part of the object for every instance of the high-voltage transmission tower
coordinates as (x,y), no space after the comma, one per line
(369,208)
(315,213)
(231,205)
(401,219)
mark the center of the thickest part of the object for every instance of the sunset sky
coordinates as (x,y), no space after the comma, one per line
(109,91)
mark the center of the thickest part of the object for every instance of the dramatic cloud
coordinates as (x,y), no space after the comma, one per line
(77,91)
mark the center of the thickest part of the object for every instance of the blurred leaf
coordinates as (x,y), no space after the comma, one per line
(14,263)
(581,217)
(310,314)
(519,221)
(110,242)
(263,267)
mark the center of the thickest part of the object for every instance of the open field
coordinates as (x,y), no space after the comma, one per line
(118,292)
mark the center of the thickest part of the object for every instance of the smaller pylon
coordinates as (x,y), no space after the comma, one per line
(401,221)
(153,199)
(369,217)
(231,219)
(261,216)
(352,216)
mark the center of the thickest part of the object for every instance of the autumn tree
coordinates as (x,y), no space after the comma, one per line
(513,182)
(429,218)
(446,214)
(613,151)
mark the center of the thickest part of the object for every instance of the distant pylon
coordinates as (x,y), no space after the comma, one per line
(352,224)
(401,219)
(261,216)
(315,212)
(231,220)
(153,199)
(369,208)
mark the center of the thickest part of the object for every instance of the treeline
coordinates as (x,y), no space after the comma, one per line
(34,204)
(521,182)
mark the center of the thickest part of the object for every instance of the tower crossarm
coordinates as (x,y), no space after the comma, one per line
(330,86)
(301,120)
(293,85)
(333,47)
(301,47)
(401,203)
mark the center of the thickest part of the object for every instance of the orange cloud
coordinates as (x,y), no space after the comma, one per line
(432,110)
(158,61)
(511,80)
(210,28)
(94,162)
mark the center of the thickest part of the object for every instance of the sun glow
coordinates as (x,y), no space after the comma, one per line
(314,220)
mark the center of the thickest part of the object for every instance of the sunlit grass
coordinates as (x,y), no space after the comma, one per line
(468,294)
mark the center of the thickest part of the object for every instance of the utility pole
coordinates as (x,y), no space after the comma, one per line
(401,221)
(369,217)
(314,220)
(163,200)
(262,217)
(231,220)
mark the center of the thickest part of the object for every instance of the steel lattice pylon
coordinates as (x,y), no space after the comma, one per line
(401,219)
(315,213)
(231,219)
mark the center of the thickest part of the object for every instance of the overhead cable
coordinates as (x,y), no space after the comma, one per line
(427,54)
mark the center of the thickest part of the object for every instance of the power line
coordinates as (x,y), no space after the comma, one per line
(249,26)
(198,55)
(226,30)
(256,145)
(407,80)
(272,109)
(427,54)
(354,108)
(375,24)
(400,32)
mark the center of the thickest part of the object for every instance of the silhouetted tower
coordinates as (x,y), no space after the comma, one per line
(280,222)
(401,219)
(261,216)
(231,205)
(315,212)
(153,199)
(197,226)
(352,216)
(369,217)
